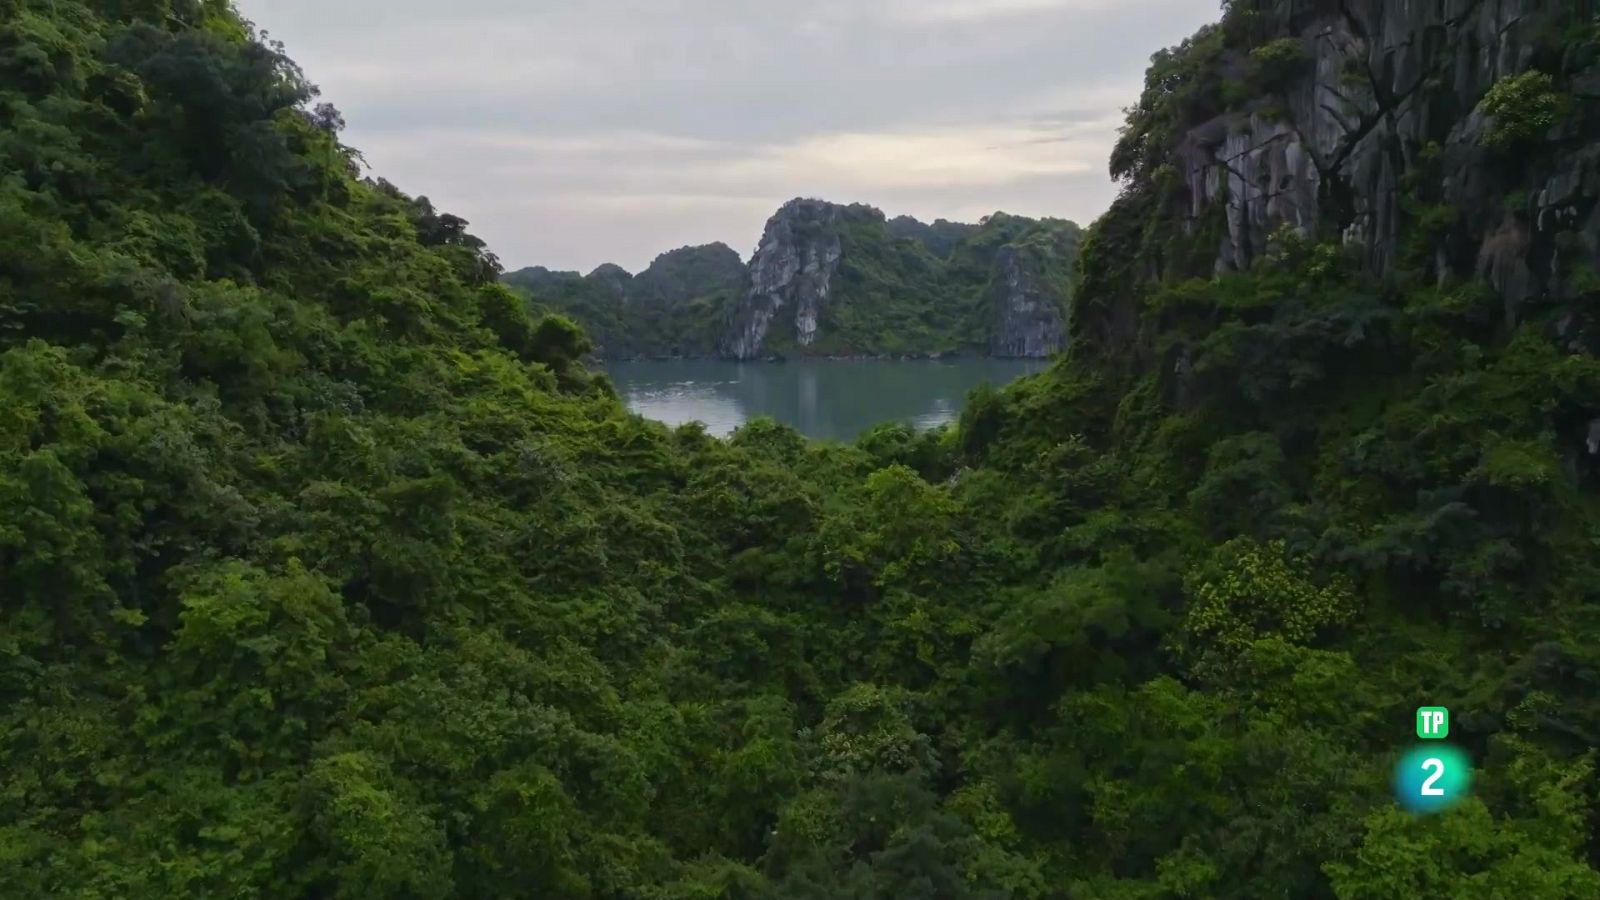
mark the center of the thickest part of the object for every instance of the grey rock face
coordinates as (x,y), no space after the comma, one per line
(1028,317)
(830,279)
(1389,94)
(794,269)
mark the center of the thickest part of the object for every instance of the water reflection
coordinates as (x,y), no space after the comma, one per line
(821,398)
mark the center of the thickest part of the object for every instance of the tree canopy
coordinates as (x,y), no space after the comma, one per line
(326,569)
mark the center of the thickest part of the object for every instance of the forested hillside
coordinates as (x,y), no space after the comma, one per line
(674,308)
(832,280)
(327,571)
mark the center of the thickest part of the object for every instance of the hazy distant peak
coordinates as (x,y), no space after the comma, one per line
(713,250)
(815,208)
(687,272)
(609,271)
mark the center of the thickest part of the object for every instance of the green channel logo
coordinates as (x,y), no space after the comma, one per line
(1433,723)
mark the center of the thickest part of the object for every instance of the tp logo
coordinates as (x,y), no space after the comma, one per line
(1433,723)
(1432,777)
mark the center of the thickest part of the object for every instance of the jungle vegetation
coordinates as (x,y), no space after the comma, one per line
(327,570)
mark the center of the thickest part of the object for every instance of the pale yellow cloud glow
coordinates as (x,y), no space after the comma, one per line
(970,155)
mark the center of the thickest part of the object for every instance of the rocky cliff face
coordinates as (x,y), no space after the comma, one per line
(831,279)
(1029,312)
(1375,120)
(792,270)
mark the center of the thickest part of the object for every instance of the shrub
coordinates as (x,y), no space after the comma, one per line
(1251,590)
(1279,61)
(1523,106)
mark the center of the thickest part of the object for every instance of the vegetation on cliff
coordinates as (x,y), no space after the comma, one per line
(899,295)
(880,287)
(326,570)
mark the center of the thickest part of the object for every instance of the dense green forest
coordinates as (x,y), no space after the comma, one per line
(326,570)
(674,308)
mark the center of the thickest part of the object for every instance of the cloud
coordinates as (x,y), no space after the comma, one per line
(970,155)
(659,202)
(975,155)
(573,132)
(588,145)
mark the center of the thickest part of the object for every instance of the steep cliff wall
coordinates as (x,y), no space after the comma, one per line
(833,280)
(792,269)
(1029,315)
(1453,140)
(830,279)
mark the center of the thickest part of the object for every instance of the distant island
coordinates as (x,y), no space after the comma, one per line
(833,280)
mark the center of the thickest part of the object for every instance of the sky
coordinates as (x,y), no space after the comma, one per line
(571,133)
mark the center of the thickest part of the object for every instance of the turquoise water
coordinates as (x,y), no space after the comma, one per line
(826,399)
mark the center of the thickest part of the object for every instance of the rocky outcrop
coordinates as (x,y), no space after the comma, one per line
(1381,130)
(846,281)
(792,271)
(1029,304)
(833,280)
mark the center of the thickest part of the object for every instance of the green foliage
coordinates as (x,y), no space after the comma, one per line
(1466,854)
(674,308)
(1247,591)
(1524,107)
(327,570)
(896,296)
(1243,485)
(941,237)
(902,288)
(380,843)
(1183,84)
(558,343)
(1276,62)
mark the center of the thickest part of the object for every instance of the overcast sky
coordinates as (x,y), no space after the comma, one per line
(576,132)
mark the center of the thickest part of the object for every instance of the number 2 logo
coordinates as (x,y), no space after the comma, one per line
(1437,766)
(1432,779)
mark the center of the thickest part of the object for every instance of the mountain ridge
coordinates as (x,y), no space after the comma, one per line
(850,282)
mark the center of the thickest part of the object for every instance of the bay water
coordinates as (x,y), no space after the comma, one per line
(822,398)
